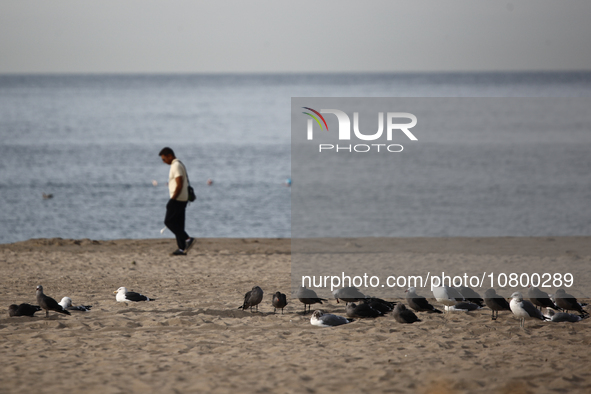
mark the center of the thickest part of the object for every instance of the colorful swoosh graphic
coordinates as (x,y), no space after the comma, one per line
(315,118)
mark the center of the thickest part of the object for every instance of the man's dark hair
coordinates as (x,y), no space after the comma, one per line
(166,151)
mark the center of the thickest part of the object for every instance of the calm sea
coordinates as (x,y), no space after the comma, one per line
(93,141)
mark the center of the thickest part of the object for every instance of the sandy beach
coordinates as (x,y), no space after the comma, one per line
(193,338)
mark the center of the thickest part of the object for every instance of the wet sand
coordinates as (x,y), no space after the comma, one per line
(194,339)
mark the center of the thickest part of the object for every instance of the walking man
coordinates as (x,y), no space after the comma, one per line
(178,185)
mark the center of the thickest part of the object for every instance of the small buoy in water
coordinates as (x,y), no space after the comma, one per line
(154,182)
(288,182)
(47,196)
(210,182)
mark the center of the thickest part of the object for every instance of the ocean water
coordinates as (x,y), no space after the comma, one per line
(93,141)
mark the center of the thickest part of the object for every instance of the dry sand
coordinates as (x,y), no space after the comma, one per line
(194,339)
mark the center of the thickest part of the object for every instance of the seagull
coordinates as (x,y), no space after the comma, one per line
(66,303)
(348,294)
(321,319)
(567,302)
(540,298)
(470,295)
(308,297)
(561,316)
(279,301)
(361,311)
(463,307)
(252,298)
(48,303)
(524,309)
(403,315)
(125,296)
(495,302)
(446,295)
(419,303)
(380,305)
(23,310)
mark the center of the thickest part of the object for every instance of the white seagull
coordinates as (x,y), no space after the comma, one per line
(524,309)
(321,319)
(66,303)
(125,296)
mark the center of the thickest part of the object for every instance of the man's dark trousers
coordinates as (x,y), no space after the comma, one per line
(175,221)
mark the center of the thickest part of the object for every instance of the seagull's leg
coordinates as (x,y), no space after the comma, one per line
(47,313)
(274,310)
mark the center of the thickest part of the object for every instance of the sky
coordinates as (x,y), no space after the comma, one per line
(261,36)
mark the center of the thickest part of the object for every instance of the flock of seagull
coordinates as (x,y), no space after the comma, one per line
(65,305)
(465,299)
(358,305)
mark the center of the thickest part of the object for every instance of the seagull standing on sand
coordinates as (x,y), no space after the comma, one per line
(567,302)
(279,301)
(540,298)
(321,319)
(524,309)
(308,297)
(495,302)
(252,298)
(48,303)
(419,303)
(403,315)
(126,296)
(66,303)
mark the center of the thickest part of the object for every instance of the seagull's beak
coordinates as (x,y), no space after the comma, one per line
(115,292)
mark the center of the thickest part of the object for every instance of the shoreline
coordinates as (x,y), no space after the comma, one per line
(502,245)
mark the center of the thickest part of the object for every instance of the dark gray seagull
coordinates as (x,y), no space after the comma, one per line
(348,294)
(126,296)
(495,302)
(23,310)
(380,305)
(470,295)
(48,303)
(464,307)
(321,319)
(66,303)
(568,302)
(361,311)
(308,297)
(403,315)
(540,298)
(252,298)
(524,309)
(419,303)
(279,301)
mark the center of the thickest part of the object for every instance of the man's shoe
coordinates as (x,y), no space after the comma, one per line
(178,252)
(189,243)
